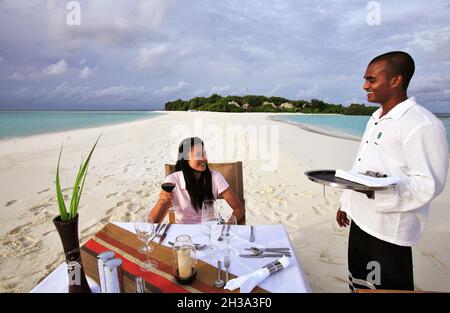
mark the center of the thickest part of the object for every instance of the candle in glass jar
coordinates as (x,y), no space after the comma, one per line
(184,262)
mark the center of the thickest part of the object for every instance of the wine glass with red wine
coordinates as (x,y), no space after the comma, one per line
(168,186)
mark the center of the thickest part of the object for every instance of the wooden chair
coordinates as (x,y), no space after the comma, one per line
(232,172)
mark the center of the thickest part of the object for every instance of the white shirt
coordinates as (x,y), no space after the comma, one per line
(180,196)
(411,143)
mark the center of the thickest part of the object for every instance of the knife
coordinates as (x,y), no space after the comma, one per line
(265,255)
(270,249)
(164,234)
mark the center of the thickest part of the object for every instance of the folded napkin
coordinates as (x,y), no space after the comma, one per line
(249,281)
(367,180)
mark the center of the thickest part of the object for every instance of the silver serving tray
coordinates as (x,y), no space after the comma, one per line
(328,178)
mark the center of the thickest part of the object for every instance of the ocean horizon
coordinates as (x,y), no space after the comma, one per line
(351,125)
(19,124)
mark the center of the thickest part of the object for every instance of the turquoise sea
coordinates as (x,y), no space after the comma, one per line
(348,124)
(15,124)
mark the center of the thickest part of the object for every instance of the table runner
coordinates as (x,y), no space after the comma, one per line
(125,246)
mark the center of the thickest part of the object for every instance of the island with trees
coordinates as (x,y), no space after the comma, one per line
(254,103)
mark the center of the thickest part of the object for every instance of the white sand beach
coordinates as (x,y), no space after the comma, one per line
(127,169)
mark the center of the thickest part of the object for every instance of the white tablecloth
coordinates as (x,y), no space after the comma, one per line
(289,280)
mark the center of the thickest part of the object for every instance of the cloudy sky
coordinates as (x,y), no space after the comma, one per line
(140,54)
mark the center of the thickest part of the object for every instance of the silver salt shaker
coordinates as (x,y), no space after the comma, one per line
(140,284)
(102,258)
(114,276)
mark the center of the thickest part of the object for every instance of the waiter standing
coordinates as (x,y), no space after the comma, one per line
(401,139)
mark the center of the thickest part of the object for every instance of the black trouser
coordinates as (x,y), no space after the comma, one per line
(377,264)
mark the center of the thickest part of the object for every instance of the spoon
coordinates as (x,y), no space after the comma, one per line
(257,251)
(219,281)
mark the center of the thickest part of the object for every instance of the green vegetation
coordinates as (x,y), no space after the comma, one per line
(254,103)
(77,188)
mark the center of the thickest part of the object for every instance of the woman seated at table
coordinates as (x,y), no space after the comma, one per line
(194,183)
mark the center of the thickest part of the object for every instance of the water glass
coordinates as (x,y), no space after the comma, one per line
(210,219)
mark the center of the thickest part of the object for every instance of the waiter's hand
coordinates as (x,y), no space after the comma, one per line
(341,218)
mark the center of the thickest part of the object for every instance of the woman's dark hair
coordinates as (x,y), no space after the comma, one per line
(199,189)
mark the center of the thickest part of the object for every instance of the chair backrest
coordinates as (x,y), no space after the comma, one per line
(232,172)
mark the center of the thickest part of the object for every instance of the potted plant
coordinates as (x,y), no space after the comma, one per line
(67,226)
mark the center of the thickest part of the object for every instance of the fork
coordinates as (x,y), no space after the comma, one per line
(159,231)
(164,233)
(226,263)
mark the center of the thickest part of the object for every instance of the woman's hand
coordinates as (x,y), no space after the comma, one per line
(164,196)
(159,211)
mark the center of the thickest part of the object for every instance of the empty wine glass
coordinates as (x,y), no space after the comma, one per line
(210,220)
(145,231)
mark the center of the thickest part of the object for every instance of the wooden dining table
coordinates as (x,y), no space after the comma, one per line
(122,240)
